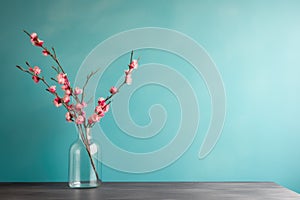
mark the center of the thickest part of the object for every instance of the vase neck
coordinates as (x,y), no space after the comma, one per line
(88,133)
(84,134)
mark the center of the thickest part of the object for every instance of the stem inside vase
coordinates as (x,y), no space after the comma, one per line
(82,166)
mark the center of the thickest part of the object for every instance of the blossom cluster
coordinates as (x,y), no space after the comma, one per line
(75,111)
(36,71)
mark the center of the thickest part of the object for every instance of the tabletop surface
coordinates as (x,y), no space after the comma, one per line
(148,190)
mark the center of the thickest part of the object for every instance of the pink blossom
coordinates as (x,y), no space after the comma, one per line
(79,119)
(68,92)
(134,64)
(45,52)
(127,71)
(36,79)
(62,78)
(99,110)
(57,102)
(84,104)
(67,83)
(52,89)
(36,70)
(128,79)
(70,107)
(77,91)
(39,43)
(35,40)
(94,118)
(65,86)
(78,107)
(66,98)
(102,106)
(83,113)
(101,102)
(113,90)
(69,117)
(33,36)
(106,108)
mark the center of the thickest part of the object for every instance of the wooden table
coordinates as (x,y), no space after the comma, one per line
(149,191)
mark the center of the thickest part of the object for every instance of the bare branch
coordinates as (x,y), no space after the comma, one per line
(131,56)
(86,82)
(26,32)
(54,53)
(56,69)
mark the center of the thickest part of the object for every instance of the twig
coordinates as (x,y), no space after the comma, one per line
(86,82)
(88,149)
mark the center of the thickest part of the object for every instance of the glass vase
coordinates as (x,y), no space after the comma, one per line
(83,163)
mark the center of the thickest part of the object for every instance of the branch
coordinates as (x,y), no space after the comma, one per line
(86,82)
(53,55)
(87,146)
(131,57)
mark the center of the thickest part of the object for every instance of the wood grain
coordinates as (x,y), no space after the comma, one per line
(149,191)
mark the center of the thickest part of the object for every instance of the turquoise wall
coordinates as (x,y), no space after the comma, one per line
(255,46)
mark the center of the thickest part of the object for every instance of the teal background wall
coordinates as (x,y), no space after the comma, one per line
(255,45)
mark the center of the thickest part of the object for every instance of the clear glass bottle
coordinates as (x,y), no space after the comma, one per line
(82,172)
